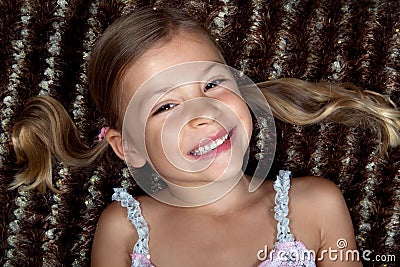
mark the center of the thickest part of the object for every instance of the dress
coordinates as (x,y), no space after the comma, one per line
(286,252)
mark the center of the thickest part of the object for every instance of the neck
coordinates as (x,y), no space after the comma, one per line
(214,198)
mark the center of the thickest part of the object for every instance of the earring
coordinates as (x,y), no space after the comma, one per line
(262,136)
(157,182)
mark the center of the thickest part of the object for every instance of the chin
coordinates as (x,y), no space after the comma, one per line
(224,173)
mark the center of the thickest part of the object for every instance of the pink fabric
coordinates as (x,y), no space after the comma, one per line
(286,254)
(141,260)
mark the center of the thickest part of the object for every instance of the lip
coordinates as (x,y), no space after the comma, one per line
(214,152)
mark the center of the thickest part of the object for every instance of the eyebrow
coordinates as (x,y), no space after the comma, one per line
(164,90)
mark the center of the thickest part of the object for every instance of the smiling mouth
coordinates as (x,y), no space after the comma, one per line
(211,146)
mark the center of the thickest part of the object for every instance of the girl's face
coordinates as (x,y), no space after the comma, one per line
(185,115)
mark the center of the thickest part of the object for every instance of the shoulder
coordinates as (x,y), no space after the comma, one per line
(114,238)
(312,187)
(114,215)
(325,208)
(318,195)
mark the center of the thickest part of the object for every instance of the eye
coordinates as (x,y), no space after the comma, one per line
(164,108)
(212,84)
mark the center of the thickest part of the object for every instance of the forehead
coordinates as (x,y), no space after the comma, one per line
(182,48)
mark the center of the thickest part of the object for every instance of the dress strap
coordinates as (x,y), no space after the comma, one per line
(282,186)
(137,219)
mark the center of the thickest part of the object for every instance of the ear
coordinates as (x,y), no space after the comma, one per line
(114,138)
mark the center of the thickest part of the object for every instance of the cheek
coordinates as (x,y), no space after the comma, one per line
(248,123)
(243,113)
(161,142)
(153,141)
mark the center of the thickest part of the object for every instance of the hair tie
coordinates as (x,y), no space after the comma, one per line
(103,132)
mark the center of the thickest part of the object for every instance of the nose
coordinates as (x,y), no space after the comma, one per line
(201,121)
(202,111)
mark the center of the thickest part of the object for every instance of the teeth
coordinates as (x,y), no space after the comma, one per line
(213,145)
(219,142)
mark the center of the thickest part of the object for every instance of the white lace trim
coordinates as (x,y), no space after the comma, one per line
(282,186)
(136,217)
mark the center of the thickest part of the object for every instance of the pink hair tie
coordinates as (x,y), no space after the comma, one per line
(103,132)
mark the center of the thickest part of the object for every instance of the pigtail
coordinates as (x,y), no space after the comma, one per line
(43,133)
(303,103)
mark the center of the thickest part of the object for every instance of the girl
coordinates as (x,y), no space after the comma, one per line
(207,217)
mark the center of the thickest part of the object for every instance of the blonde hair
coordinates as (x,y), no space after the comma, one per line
(303,103)
(46,132)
